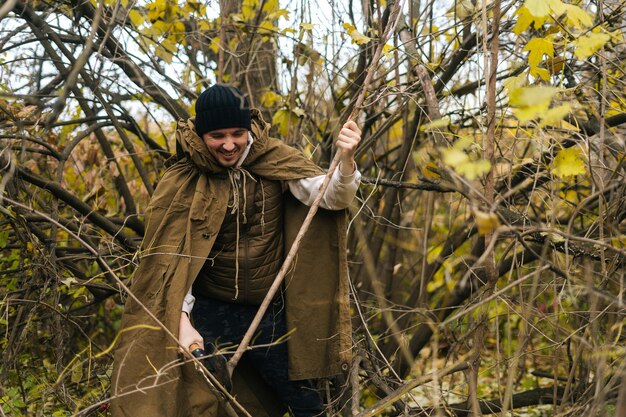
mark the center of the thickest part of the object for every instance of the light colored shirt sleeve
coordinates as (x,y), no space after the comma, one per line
(339,194)
(188,303)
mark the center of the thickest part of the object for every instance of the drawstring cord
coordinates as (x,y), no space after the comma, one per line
(233,176)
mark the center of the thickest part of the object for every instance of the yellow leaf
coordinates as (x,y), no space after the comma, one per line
(577,17)
(617,36)
(587,45)
(237,17)
(195,6)
(248,12)
(428,173)
(619,241)
(270,6)
(473,170)
(568,162)
(435,125)
(267,28)
(457,158)
(357,37)
(542,73)
(156,10)
(532,96)
(284,120)
(465,8)
(396,132)
(486,222)
(164,54)
(525,114)
(269,98)
(284,13)
(537,8)
(215,45)
(515,83)
(204,26)
(136,17)
(307,26)
(557,7)
(454,157)
(563,125)
(434,253)
(554,115)
(525,19)
(178,28)
(160,27)
(537,48)
(543,8)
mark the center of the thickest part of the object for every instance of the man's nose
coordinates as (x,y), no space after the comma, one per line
(228,145)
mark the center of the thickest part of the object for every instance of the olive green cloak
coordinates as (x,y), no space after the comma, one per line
(183,218)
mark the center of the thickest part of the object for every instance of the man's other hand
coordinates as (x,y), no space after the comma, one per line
(348,140)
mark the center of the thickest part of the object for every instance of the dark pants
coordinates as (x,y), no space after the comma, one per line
(224,324)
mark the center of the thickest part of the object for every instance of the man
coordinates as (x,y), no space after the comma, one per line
(216,232)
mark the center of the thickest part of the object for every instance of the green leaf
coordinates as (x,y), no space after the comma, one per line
(568,162)
(77,372)
(4,239)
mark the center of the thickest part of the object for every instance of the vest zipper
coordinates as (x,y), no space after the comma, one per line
(246,270)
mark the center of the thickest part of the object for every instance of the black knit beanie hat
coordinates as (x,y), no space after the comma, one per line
(221,107)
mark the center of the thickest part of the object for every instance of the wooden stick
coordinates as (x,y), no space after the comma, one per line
(232,363)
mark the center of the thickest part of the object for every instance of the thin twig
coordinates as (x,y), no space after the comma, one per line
(377,408)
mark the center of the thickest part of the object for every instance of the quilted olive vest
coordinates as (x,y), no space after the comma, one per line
(248,250)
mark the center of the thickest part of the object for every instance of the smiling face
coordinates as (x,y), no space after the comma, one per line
(226,145)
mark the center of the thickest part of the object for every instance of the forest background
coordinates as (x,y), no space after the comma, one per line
(488,242)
